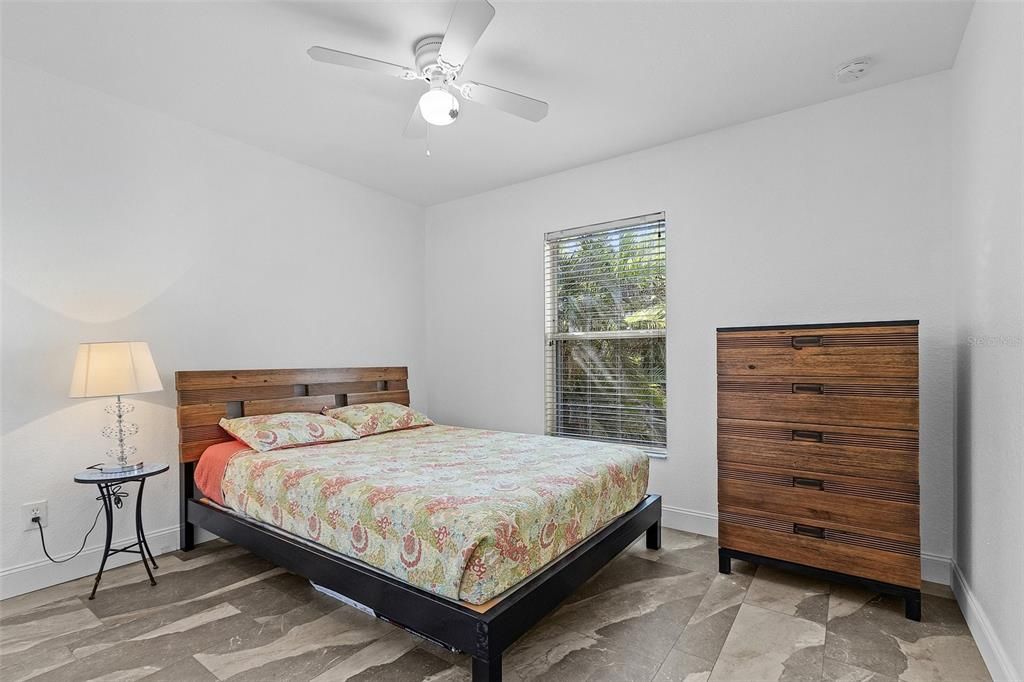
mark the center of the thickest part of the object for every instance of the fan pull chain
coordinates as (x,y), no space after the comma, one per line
(428,140)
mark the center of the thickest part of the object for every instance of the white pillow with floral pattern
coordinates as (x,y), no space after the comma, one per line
(287,430)
(372,418)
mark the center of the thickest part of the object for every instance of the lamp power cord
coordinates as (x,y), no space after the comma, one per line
(116,496)
(42,539)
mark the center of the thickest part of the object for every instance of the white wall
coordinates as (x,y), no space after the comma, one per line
(830,213)
(988,182)
(121,223)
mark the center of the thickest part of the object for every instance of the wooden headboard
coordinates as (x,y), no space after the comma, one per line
(206,396)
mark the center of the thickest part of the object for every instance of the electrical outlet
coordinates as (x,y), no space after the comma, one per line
(29,510)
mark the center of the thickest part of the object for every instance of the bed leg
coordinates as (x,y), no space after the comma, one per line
(654,536)
(187,537)
(487,670)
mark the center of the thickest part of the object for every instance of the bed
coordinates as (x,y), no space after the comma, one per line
(516,522)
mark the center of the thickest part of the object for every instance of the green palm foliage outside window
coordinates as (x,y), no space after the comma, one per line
(605,332)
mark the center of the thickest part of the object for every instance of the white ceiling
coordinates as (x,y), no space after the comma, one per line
(620,76)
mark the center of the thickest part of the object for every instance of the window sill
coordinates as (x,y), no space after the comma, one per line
(653,453)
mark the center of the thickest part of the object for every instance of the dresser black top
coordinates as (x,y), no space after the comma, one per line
(886,323)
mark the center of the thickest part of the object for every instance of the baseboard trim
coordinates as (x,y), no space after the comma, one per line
(35,575)
(690,520)
(1000,666)
(934,568)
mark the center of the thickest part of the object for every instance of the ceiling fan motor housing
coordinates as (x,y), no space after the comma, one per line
(426,52)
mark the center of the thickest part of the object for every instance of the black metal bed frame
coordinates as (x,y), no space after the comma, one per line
(482,635)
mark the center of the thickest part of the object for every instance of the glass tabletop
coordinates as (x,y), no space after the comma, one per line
(99,476)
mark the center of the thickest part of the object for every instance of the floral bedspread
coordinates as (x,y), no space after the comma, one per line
(463,513)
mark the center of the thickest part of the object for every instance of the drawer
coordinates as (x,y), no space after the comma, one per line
(878,402)
(885,351)
(887,561)
(842,450)
(889,509)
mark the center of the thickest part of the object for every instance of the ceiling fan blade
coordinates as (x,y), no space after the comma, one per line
(469,20)
(417,126)
(329,56)
(511,102)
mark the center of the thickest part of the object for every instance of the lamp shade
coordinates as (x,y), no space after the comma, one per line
(115,368)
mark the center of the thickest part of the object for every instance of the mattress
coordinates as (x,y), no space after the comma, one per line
(464,513)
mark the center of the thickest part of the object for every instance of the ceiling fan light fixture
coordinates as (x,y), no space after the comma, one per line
(439,59)
(438,106)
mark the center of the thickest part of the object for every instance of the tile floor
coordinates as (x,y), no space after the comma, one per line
(221,613)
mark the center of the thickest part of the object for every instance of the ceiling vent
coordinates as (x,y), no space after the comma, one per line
(853,70)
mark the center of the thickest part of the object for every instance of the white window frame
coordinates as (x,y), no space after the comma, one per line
(550,323)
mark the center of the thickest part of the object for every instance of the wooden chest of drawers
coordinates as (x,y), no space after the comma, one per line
(818,452)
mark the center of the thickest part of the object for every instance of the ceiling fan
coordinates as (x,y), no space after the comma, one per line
(439,61)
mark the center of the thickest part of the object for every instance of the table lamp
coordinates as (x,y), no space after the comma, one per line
(116,369)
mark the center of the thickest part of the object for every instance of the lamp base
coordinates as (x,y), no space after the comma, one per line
(119,468)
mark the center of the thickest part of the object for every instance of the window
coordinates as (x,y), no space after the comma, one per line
(605,332)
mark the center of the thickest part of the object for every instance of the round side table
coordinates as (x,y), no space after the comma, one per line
(112,497)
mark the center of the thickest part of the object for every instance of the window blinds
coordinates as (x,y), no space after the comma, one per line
(605,332)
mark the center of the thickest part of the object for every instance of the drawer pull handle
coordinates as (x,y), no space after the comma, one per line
(799,342)
(812,483)
(809,531)
(809,436)
(809,388)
